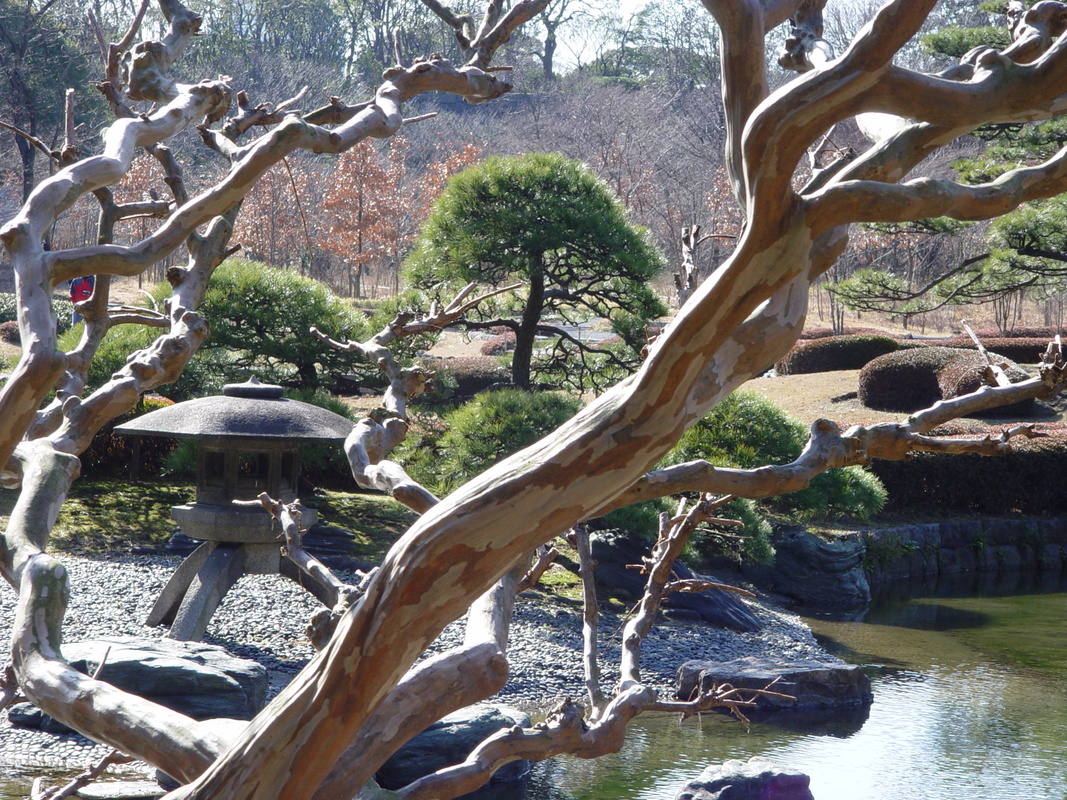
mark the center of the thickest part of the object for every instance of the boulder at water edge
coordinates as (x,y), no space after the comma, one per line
(817,572)
(449,741)
(756,779)
(200,680)
(814,684)
(615,552)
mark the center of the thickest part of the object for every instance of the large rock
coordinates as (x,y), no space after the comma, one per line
(613,552)
(449,741)
(756,779)
(815,685)
(815,571)
(200,680)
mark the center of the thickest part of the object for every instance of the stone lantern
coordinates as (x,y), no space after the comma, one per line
(248,442)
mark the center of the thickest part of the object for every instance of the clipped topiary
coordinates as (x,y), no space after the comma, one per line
(462,377)
(905,380)
(967,373)
(910,380)
(1021,349)
(9,332)
(835,353)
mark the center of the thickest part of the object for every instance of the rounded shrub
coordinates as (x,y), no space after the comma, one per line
(966,374)
(9,332)
(835,353)
(465,376)
(905,380)
(499,344)
(745,431)
(1016,482)
(910,380)
(478,434)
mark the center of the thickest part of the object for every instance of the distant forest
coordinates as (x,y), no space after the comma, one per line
(632,93)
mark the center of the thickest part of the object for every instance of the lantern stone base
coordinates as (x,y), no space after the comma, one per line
(237,541)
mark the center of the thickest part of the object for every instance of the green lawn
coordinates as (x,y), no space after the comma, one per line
(103,516)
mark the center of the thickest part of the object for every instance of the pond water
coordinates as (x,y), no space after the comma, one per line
(970,702)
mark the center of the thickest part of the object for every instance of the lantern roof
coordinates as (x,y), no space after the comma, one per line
(244,410)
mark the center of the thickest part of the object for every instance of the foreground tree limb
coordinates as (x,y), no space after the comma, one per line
(734,325)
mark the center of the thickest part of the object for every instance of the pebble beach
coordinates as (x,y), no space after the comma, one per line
(263,619)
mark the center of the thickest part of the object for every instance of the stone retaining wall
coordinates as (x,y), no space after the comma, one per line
(952,548)
(836,572)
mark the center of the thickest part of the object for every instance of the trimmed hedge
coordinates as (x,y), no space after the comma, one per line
(905,380)
(1046,332)
(1023,481)
(465,376)
(1021,349)
(499,344)
(111,453)
(913,379)
(826,333)
(835,353)
(9,333)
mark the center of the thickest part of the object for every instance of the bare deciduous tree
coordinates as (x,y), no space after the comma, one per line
(360,698)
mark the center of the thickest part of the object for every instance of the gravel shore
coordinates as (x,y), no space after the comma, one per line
(263,618)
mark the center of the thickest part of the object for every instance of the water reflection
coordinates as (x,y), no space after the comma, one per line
(970,702)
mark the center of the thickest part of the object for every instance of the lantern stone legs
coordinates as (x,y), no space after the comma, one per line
(240,541)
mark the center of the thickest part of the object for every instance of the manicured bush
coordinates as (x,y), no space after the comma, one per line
(499,344)
(480,433)
(111,453)
(835,353)
(910,380)
(747,430)
(61,305)
(825,333)
(1021,349)
(966,374)
(462,377)
(1019,482)
(9,332)
(1046,332)
(905,380)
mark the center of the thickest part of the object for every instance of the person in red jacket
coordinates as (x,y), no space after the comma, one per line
(80,289)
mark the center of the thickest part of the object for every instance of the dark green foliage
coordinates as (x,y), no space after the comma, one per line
(825,333)
(550,223)
(260,319)
(1046,332)
(1018,482)
(477,435)
(62,307)
(954,41)
(836,353)
(261,316)
(9,333)
(746,431)
(910,380)
(111,453)
(966,374)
